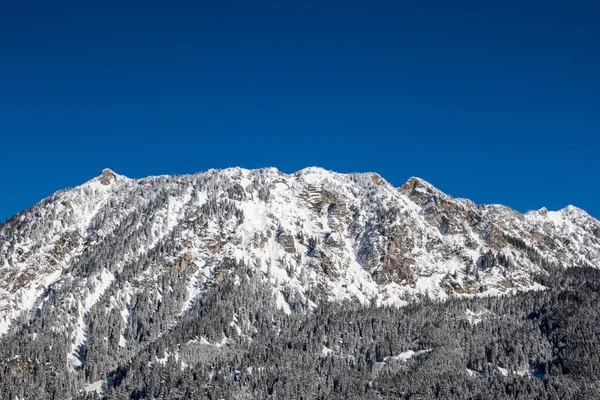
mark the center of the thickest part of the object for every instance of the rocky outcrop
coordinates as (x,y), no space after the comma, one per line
(286,240)
(183,262)
(213,244)
(107,177)
(397,262)
(65,244)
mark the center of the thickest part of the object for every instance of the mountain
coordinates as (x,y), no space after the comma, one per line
(104,271)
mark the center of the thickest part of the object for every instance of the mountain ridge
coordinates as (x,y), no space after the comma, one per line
(412,178)
(368,173)
(106,269)
(391,251)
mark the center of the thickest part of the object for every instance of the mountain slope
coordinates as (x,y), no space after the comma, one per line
(344,236)
(139,254)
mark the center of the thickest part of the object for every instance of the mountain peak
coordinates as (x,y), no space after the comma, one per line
(419,189)
(543,211)
(311,170)
(576,213)
(107,176)
(571,209)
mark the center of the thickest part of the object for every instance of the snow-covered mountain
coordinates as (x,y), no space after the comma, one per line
(313,236)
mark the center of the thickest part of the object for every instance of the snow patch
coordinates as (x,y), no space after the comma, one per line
(97,387)
(326,351)
(95,288)
(407,355)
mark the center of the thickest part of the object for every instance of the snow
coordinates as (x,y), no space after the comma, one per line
(163,360)
(124,306)
(475,374)
(475,318)
(407,355)
(204,341)
(556,217)
(97,387)
(530,372)
(326,351)
(26,297)
(94,289)
(193,290)
(521,372)
(234,324)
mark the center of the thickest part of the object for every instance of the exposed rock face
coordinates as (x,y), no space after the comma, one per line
(107,177)
(66,243)
(450,216)
(397,263)
(213,244)
(183,262)
(342,237)
(286,240)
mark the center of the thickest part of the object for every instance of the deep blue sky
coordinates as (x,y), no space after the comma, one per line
(495,101)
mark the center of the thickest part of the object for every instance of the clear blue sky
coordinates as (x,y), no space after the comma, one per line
(495,101)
